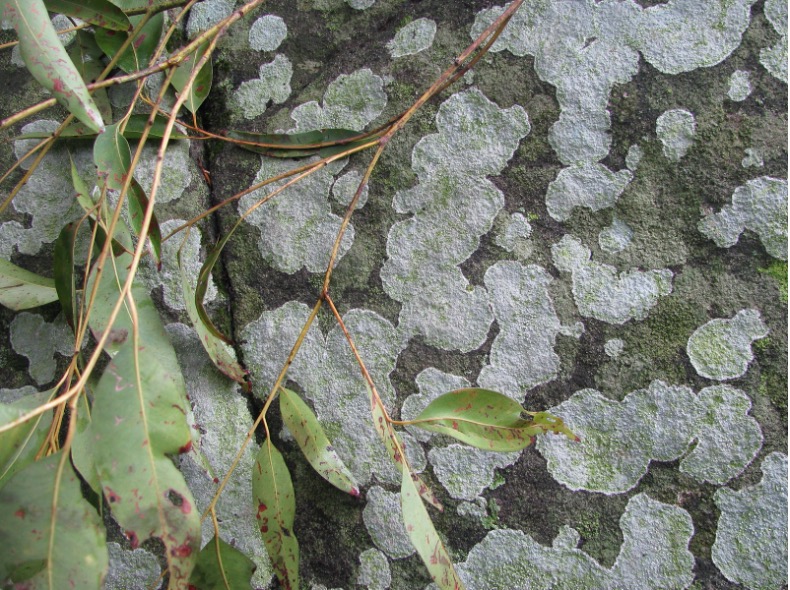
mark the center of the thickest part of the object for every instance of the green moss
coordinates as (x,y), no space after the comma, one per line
(778,271)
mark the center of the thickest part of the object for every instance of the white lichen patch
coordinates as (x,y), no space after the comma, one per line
(273,84)
(522,355)
(614,347)
(431,383)
(346,186)
(169,275)
(374,570)
(131,569)
(329,376)
(598,290)
(350,102)
(223,419)
(514,234)
(360,4)
(38,341)
(616,237)
(751,536)
(383,520)
(415,37)
(633,157)
(267,33)
(675,129)
(619,439)
(752,159)
(590,185)
(466,472)
(176,175)
(297,227)
(760,205)
(654,555)
(206,14)
(722,348)
(453,205)
(740,86)
(774,59)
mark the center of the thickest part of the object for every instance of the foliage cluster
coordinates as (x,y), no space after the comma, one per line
(118,414)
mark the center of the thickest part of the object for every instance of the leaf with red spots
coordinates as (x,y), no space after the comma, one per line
(221,567)
(52,538)
(140,51)
(486,419)
(313,442)
(112,157)
(199,89)
(46,58)
(101,13)
(88,59)
(275,507)
(424,536)
(22,289)
(18,446)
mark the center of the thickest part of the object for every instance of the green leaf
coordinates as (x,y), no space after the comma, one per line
(63,272)
(48,61)
(323,142)
(484,419)
(19,445)
(218,351)
(315,445)
(221,567)
(133,130)
(138,203)
(52,538)
(83,450)
(87,58)
(274,505)
(101,13)
(139,417)
(22,289)
(202,286)
(140,51)
(112,157)
(201,86)
(424,536)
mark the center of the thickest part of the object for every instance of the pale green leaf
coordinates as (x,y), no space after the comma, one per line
(313,442)
(424,537)
(140,51)
(52,538)
(87,58)
(199,90)
(101,13)
(22,289)
(112,157)
(275,507)
(46,58)
(18,446)
(221,567)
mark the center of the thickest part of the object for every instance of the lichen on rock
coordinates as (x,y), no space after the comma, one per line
(590,185)
(774,59)
(740,86)
(374,570)
(414,37)
(38,341)
(676,129)
(383,520)
(267,33)
(273,84)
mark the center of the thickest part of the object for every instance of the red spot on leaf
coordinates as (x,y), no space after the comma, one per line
(186,448)
(181,551)
(112,497)
(133,540)
(139,41)
(20,513)
(58,85)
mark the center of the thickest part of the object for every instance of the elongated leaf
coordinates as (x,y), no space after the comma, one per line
(133,130)
(22,289)
(87,58)
(139,417)
(315,445)
(138,203)
(202,286)
(48,61)
(18,446)
(63,272)
(83,450)
(101,13)
(200,88)
(324,142)
(138,52)
(221,567)
(51,537)
(220,353)
(424,536)
(112,157)
(275,507)
(484,419)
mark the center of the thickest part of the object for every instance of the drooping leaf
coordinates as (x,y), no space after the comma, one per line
(51,536)
(313,442)
(221,567)
(133,130)
(63,272)
(101,13)
(218,351)
(484,419)
(86,56)
(140,51)
(83,450)
(424,537)
(275,507)
(139,417)
(112,157)
(198,91)
(323,142)
(19,445)
(138,203)
(202,286)
(22,289)
(48,62)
